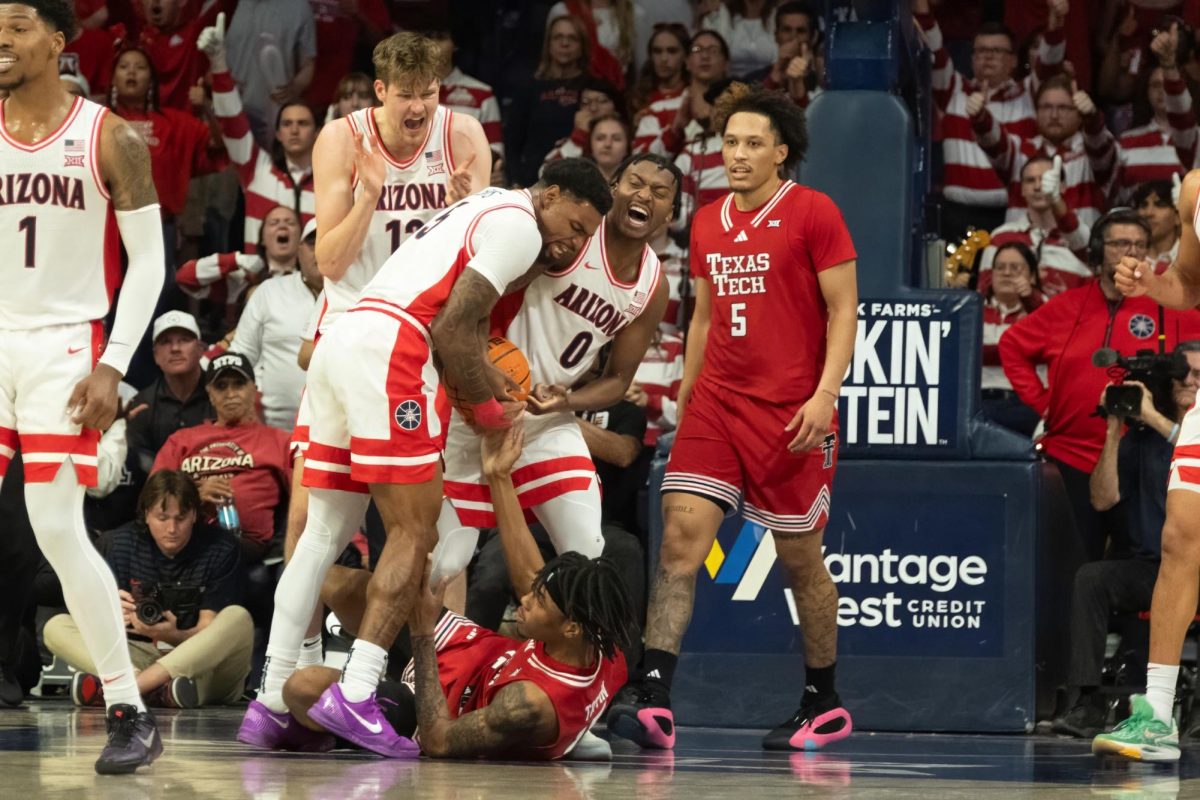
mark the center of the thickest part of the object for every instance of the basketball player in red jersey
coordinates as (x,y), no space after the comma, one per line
(380,174)
(470,692)
(72,176)
(758,421)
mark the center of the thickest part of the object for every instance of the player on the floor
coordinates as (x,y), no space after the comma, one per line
(613,292)
(380,174)
(471,692)
(1150,733)
(379,417)
(70,170)
(758,420)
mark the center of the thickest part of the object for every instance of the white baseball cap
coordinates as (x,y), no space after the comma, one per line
(175,319)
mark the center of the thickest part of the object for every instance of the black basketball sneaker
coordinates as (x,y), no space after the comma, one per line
(641,712)
(133,740)
(816,724)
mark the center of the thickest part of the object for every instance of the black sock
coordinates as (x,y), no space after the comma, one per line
(659,665)
(818,682)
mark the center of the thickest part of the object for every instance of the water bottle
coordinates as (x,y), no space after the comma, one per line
(227,516)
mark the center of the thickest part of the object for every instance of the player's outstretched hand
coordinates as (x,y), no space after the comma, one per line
(812,422)
(548,397)
(428,603)
(94,402)
(460,182)
(1134,278)
(369,165)
(501,449)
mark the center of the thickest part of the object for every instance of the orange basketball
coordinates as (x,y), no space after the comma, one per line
(506,357)
(509,359)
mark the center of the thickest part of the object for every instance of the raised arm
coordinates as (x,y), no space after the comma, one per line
(340,157)
(1179,286)
(472,156)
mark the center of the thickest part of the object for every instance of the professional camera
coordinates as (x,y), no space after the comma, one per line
(181,600)
(1154,370)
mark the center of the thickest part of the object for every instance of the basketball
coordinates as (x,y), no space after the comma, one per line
(509,359)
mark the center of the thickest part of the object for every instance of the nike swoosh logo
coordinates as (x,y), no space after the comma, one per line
(589,266)
(73,350)
(283,723)
(148,741)
(373,727)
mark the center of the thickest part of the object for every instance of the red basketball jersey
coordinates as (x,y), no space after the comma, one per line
(767,335)
(475,663)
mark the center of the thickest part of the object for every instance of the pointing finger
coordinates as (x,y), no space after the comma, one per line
(221,24)
(466,164)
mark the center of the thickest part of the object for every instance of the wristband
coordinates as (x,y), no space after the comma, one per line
(490,414)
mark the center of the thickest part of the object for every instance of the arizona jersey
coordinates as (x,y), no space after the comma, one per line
(474,664)
(413,191)
(565,318)
(60,241)
(767,334)
(494,232)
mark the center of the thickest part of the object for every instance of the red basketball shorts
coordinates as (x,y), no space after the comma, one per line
(377,410)
(732,448)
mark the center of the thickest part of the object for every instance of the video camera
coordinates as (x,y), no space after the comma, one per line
(1154,370)
(180,599)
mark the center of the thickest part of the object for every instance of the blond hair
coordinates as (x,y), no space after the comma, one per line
(407,59)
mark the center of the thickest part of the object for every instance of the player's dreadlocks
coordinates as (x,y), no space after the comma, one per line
(787,118)
(592,593)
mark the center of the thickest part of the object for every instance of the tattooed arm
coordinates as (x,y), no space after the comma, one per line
(519,717)
(457,336)
(125,167)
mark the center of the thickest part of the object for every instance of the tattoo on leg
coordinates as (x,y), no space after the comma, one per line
(671,601)
(682,509)
(816,605)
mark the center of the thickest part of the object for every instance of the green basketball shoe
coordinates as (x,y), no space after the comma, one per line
(1141,737)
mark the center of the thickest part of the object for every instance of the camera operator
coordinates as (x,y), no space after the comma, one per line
(1133,470)
(1063,334)
(179,586)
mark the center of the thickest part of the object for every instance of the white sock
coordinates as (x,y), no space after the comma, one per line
(311,654)
(1161,680)
(363,671)
(333,517)
(89,588)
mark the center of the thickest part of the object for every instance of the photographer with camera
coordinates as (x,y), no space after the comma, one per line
(179,585)
(1064,334)
(1144,416)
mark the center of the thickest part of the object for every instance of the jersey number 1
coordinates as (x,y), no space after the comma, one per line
(394,229)
(29,225)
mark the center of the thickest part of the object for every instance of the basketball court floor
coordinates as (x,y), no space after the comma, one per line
(47,749)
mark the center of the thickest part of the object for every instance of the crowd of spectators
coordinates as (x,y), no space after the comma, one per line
(1045,121)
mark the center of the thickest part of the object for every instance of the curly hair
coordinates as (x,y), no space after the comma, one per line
(580,178)
(59,15)
(786,118)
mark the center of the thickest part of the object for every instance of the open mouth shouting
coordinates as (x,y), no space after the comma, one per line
(637,216)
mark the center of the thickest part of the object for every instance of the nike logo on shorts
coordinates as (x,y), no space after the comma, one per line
(73,350)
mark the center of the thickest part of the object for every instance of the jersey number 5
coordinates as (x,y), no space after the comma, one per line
(737,319)
(29,225)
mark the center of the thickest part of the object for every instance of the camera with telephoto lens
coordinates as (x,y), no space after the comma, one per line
(180,599)
(1154,370)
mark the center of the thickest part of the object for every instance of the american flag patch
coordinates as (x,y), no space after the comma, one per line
(433,155)
(74,146)
(639,298)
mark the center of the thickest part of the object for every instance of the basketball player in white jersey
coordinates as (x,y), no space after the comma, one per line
(379,175)
(614,292)
(68,170)
(378,426)
(1150,733)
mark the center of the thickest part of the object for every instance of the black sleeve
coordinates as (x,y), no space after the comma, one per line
(627,419)
(223,580)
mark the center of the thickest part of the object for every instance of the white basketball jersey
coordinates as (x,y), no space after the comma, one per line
(566,317)
(494,232)
(62,251)
(413,191)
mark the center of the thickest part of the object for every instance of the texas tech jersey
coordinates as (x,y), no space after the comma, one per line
(413,191)
(62,251)
(474,664)
(494,232)
(566,317)
(768,329)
